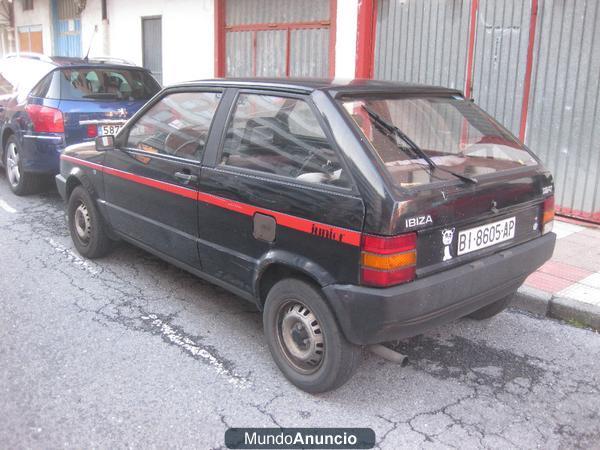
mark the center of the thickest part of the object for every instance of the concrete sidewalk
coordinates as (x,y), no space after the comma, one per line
(568,286)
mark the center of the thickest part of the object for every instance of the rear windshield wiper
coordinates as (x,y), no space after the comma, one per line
(413,146)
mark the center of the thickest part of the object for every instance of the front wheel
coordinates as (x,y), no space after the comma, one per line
(86,226)
(492,309)
(304,338)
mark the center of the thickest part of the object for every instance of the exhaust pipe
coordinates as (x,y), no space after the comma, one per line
(389,354)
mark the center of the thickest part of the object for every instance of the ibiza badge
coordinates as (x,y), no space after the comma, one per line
(447,237)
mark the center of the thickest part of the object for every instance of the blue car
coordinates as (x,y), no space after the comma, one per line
(48,103)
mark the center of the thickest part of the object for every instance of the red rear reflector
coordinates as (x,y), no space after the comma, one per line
(92,131)
(387,261)
(45,119)
(384,278)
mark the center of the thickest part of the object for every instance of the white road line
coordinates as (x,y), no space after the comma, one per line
(72,257)
(191,347)
(6,207)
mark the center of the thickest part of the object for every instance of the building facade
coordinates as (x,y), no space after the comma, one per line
(533,64)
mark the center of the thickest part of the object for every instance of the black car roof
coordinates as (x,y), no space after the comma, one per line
(334,86)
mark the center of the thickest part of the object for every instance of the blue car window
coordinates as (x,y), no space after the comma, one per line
(106,84)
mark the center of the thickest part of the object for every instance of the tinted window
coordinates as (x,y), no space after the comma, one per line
(177,125)
(41,89)
(281,136)
(6,86)
(105,83)
(452,131)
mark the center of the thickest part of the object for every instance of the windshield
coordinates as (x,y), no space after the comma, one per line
(107,84)
(453,133)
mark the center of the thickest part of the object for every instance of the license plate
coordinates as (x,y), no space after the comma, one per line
(486,235)
(108,130)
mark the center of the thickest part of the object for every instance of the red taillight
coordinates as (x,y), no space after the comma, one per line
(387,261)
(92,131)
(45,119)
(547,215)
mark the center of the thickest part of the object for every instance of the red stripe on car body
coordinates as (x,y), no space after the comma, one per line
(342,235)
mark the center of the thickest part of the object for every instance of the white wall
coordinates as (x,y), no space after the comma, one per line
(187,32)
(345,39)
(41,14)
(91,19)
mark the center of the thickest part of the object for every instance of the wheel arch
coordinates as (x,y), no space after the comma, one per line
(279,264)
(77,177)
(7,132)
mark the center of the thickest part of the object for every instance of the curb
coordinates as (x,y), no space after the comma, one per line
(543,304)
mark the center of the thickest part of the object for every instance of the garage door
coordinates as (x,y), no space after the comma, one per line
(276,38)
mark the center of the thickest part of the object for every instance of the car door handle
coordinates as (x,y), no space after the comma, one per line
(187,177)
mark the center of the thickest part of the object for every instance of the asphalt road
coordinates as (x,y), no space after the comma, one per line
(130,351)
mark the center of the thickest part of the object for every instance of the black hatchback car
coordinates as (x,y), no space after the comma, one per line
(351,214)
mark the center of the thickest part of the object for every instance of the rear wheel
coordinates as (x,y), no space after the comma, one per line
(492,309)
(86,226)
(304,338)
(20,182)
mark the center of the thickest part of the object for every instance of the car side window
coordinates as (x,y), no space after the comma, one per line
(6,87)
(41,89)
(177,125)
(281,136)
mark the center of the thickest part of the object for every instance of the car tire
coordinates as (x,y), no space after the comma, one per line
(492,309)
(305,339)
(20,182)
(86,225)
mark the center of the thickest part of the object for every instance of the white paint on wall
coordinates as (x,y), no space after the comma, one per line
(41,14)
(94,31)
(187,34)
(345,39)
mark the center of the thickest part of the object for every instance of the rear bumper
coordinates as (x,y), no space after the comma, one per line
(370,315)
(41,153)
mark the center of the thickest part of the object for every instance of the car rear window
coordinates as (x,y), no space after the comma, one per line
(106,84)
(452,132)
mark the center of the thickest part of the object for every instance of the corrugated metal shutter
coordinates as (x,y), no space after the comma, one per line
(501,58)
(276,38)
(309,53)
(564,119)
(422,41)
(244,12)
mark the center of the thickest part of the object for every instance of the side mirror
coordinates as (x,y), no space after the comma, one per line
(104,143)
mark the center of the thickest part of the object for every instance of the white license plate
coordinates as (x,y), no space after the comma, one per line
(108,130)
(486,235)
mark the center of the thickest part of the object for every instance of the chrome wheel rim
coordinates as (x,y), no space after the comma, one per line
(300,337)
(12,164)
(83,223)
